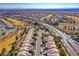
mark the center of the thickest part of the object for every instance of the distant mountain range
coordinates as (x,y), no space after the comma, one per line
(76,9)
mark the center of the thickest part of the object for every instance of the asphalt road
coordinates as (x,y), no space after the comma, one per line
(64,36)
(38,42)
(6,22)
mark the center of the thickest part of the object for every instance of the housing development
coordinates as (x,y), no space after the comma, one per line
(39,32)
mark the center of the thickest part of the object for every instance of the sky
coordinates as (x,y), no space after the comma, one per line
(38,5)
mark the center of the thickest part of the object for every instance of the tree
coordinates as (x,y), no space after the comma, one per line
(45,54)
(13,49)
(35,23)
(57,39)
(59,45)
(31,51)
(33,43)
(16,37)
(3,52)
(62,52)
(3,33)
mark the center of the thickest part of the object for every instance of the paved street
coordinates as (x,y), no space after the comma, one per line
(38,42)
(65,37)
(7,23)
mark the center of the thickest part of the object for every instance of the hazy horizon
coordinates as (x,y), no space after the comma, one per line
(39,5)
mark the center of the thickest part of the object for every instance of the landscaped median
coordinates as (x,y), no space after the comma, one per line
(60,47)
